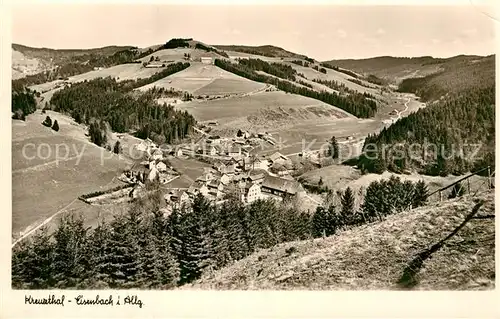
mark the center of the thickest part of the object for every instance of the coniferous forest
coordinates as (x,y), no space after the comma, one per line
(356,104)
(457,134)
(144,249)
(112,102)
(23,103)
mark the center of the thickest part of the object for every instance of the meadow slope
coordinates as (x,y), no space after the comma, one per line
(375,256)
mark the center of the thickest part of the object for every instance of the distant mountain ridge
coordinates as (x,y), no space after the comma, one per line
(265,50)
(396,69)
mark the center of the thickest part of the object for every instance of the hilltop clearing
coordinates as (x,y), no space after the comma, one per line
(122,72)
(206,79)
(377,255)
(264,50)
(266,109)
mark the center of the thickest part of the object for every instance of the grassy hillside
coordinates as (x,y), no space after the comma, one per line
(264,50)
(459,74)
(390,68)
(376,256)
(63,55)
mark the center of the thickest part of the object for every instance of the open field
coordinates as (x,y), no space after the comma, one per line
(121,72)
(339,177)
(375,256)
(190,169)
(178,54)
(42,186)
(206,79)
(227,109)
(332,75)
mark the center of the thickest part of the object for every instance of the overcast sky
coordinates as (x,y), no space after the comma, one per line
(322,32)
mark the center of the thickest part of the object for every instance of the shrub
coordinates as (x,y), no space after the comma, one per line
(47,122)
(55,126)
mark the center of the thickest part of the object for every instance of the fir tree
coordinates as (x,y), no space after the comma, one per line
(71,262)
(55,126)
(457,191)
(347,203)
(421,194)
(334,148)
(47,122)
(117,148)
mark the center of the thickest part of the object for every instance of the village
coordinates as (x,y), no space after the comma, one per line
(231,170)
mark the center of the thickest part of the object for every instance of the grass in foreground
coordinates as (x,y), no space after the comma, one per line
(375,256)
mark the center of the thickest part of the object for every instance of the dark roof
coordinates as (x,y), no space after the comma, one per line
(280,184)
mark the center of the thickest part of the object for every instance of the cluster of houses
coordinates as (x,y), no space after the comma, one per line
(246,186)
(154,167)
(234,172)
(238,173)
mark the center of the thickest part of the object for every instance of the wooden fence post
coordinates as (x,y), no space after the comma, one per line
(489,177)
(440,196)
(468,184)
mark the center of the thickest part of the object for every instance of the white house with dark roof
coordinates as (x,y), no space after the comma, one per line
(279,187)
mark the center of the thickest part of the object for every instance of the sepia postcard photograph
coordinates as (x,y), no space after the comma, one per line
(253,147)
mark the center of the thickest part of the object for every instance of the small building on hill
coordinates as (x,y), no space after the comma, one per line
(279,187)
(207,60)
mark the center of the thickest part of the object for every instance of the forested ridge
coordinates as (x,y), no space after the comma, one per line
(145,249)
(450,131)
(356,104)
(79,64)
(459,74)
(111,101)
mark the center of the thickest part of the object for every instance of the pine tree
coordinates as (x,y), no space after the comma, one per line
(347,202)
(325,221)
(71,262)
(47,122)
(334,146)
(117,148)
(421,194)
(122,262)
(39,262)
(457,191)
(55,126)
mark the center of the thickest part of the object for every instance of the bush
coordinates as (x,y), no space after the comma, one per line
(47,122)
(55,126)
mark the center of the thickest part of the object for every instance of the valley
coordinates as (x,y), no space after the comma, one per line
(267,141)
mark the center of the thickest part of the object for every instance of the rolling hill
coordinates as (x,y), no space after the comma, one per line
(378,256)
(28,60)
(264,50)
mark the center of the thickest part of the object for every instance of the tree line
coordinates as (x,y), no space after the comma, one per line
(23,103)
(449,132)
(106,100)
(356,105)
(143,248)
(77,65)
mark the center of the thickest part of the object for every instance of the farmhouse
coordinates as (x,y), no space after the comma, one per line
(206,60)
(145,145)
(252,192)
(206,177)
(155,65)
(198,188)
(279,158)
(211,151)
(179,198)
(276,186)
(157,154)
(161,167)
(255,163)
